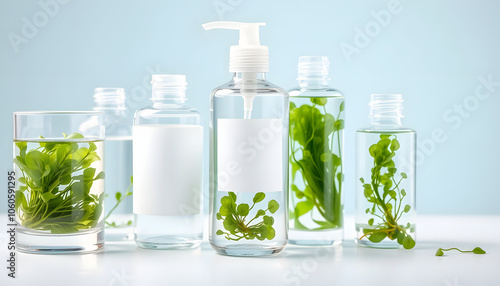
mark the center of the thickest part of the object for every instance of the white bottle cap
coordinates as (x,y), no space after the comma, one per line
(249,55)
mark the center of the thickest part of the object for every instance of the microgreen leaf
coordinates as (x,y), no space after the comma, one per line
(439,252)
(259,197)
(273,206)
(478,250)
(408,242)
(243,209)
(377,236)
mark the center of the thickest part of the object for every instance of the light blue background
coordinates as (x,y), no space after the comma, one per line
(433,52)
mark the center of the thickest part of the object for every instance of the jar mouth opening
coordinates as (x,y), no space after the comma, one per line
(86,112)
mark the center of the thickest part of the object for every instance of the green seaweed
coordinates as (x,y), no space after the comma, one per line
(313,134)
(51,196)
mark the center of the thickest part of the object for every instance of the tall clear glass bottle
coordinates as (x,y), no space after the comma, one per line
(316,157)
(168,161)
(248,154)
(118,146)
(385,177)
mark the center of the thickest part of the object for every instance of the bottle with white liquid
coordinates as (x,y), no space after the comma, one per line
(248,153)
(168,159)
(118,158)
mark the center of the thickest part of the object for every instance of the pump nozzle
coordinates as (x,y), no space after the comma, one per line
(248,57)
(249,32)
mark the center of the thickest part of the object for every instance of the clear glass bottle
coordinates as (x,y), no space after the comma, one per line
(385,177)
(168,161)
(316,157)
(118,146)
(248,154)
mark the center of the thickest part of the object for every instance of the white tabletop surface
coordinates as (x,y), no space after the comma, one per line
(124,264)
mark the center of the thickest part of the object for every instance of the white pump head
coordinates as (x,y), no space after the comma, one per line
(249,55)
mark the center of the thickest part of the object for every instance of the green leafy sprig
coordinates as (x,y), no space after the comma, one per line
(119,198)
(386,195)
(51,196)
(476,250)
(313,134)
(235,218)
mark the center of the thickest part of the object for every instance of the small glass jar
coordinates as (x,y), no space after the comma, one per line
(385,177)
(58,162)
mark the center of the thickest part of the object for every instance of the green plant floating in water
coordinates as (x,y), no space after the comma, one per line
(313,134)
(51,196)
(235,222)
(119,198)
(385,194)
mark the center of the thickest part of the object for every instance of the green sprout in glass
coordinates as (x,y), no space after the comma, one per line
(386,195)
(237,223)
(119,198)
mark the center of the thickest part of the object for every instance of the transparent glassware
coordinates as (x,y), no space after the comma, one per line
(248,167)
(59,169)
(118,157)
(316,157)
(385,177)
(168,162)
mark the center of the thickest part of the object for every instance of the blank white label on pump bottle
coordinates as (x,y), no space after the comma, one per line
(167,169)
(249,155)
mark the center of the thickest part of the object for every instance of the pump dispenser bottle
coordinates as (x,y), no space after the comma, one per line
(248,153)
(118,158)
(316,156)
(168,155)
(385,177)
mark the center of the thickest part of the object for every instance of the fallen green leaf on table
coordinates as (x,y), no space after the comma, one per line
(477,250)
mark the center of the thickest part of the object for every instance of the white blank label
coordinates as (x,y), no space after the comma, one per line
(167,169)
(249,155)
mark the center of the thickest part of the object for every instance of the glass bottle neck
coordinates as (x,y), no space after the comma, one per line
(314,84)
(386,121)
(238,76)
(168,103)
(114,110)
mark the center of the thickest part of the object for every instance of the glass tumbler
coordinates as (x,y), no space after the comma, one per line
(58,163)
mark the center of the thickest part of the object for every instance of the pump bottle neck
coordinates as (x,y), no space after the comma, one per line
(238,76)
